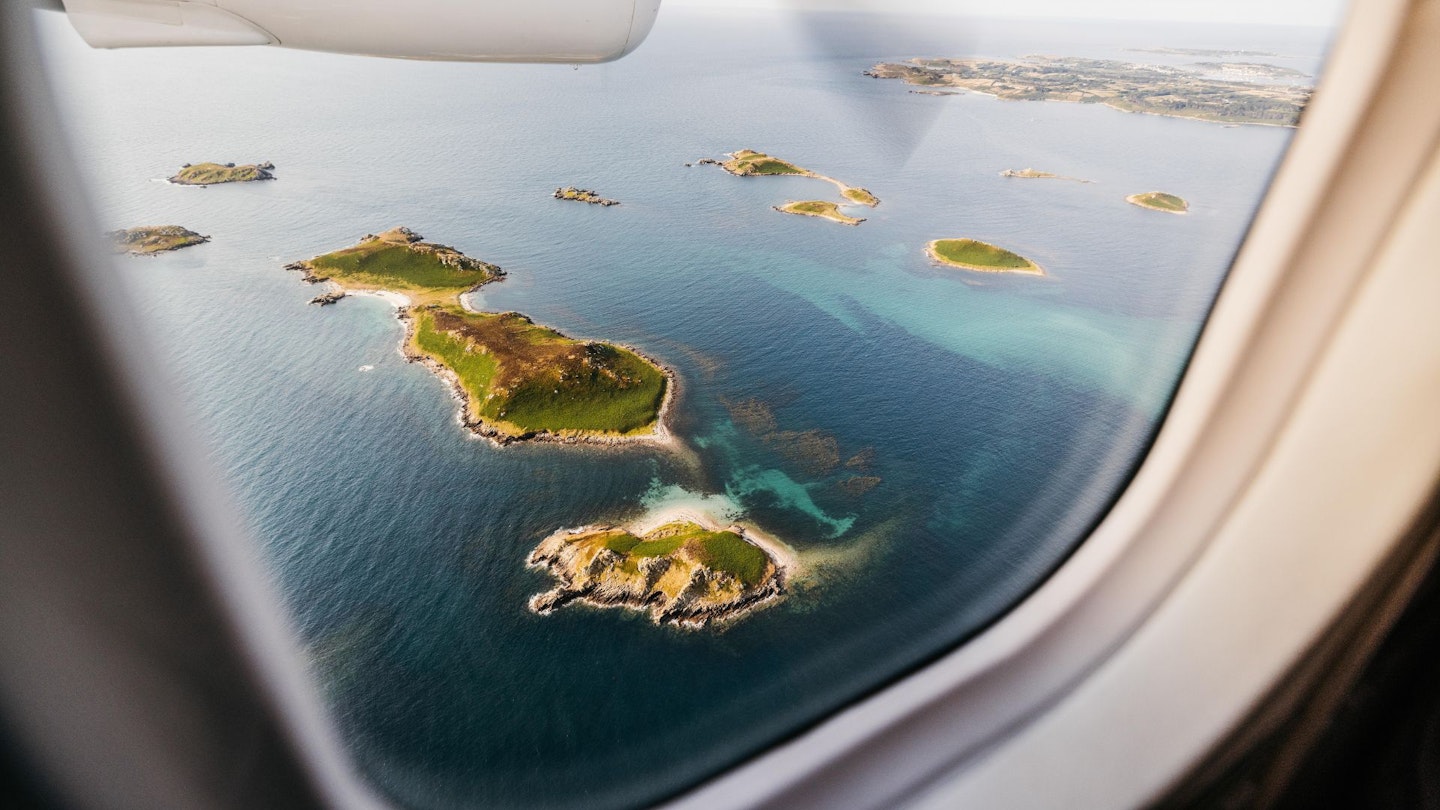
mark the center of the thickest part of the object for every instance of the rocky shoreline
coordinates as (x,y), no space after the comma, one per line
(675,588)
(583,195)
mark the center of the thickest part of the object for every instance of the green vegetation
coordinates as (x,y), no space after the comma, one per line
(398,260)
(155,239)
(209,174)
(819,208)
(1159,201)
(972,254)
(860,196)
(518,380)
(682,572)
(521,379)
(747,163)
(1149,89)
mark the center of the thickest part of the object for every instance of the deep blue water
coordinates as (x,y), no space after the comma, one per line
(1003,413)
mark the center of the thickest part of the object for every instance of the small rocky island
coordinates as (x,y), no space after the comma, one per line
(1160,201)
(516,380)
(151,240)
(1174,91)
(583,195)
(749,163)
(209,174)
(981,257)
(687,572)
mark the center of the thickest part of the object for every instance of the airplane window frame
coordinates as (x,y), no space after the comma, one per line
(1265,344)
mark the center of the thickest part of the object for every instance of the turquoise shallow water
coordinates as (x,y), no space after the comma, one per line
(1002,414)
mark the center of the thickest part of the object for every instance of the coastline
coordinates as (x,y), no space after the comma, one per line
(1033,270)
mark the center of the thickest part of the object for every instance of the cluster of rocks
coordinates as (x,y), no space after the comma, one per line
(584,195)
(326,299)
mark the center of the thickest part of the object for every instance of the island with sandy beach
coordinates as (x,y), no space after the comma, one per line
(683,569)
(209,174)
(819,208)
(516,380)
(1160,201)
(150,240)
(981,257)
(749,163)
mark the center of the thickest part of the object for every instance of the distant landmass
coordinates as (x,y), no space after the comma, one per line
(1150,89)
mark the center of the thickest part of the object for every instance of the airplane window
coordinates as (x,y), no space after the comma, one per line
(730,382)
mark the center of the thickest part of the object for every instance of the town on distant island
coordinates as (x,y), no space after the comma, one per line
(749,163)
(516,380)
(1150,89)
(209,174)
(1035,174)
(688,571)
(148,241)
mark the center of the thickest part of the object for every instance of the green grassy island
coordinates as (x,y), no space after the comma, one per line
(749,163)
(819,208)
(154,239)
(972,254)
(209,174)
(688,572)
(517,380)
(1159,201)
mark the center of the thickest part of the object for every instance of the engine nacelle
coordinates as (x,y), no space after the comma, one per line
(566,31)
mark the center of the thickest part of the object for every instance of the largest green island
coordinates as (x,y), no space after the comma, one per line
(516,380)
(1150,89)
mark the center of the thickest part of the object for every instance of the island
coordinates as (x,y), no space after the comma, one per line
(516,380)
(209,174)
(584,195)
(750,163)
(982,257)
(1151,89)
(689,571)
(1159,201)
(1035,174)
(819,208)
(154,239)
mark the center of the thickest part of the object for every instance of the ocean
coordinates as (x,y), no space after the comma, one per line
(1001,414)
